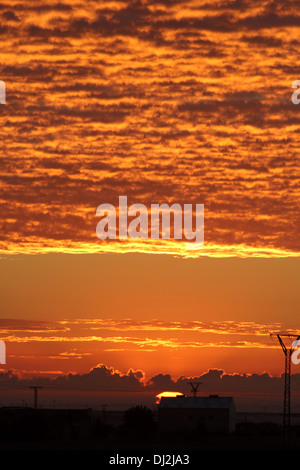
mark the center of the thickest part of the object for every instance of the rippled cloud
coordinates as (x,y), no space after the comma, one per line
(178,101)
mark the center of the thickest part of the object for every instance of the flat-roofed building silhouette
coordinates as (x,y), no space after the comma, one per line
(212,414)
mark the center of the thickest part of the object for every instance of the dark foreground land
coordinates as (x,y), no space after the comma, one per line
(161,444)
(81,430)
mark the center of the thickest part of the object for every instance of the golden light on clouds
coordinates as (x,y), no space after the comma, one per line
(164,101)
(184,102)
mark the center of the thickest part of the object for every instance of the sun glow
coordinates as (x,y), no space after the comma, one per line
(167,394)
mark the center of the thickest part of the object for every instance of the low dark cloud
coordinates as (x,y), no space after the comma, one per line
(99,378)
(102,377)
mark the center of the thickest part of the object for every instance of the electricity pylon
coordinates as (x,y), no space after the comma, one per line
(287,386)
(35,388)
(195,386)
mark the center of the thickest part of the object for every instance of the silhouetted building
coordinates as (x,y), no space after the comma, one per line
(212,414)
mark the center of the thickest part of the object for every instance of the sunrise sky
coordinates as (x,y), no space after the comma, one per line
(162,101)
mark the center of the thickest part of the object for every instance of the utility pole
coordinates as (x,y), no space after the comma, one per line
(287,386)
(104,406)
(195,386)
(35,388)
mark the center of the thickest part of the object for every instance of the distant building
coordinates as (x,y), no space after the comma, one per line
(212,414)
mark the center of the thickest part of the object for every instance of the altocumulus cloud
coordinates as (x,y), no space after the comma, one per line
(190,101)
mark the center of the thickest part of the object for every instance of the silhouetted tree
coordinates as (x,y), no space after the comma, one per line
(139,421)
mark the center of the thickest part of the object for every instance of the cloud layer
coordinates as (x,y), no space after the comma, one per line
(178,101)
(152,334)
(58,347)
(105,378)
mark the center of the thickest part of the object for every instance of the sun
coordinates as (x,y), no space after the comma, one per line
(167,394)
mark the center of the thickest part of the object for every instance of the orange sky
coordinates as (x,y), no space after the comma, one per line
(155,313)
(178,101)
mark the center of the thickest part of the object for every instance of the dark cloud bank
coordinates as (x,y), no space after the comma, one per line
(104,378)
